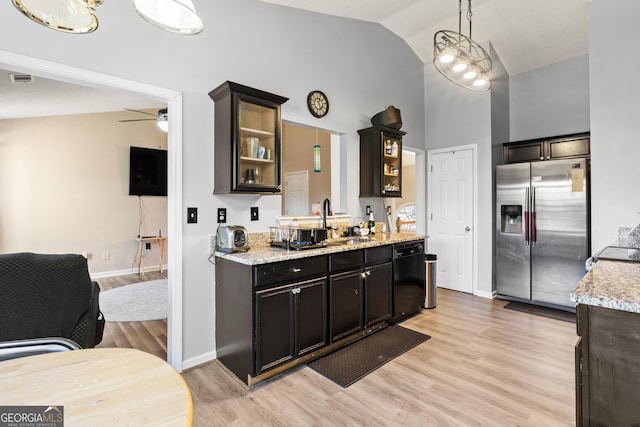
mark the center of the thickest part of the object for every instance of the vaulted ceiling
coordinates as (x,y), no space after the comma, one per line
(526,34)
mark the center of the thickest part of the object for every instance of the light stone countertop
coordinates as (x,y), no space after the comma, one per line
(610,284)
(263,254)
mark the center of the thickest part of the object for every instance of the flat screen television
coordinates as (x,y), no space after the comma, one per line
(147,172)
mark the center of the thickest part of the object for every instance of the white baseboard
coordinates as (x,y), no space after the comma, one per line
(114,273)
(485,294)
(199,360)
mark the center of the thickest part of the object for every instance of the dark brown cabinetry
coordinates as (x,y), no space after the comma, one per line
(607,367)
(290,322)
(248,131)
(378,285)
(345,294)
(380,162)
(560,147)
(270,317)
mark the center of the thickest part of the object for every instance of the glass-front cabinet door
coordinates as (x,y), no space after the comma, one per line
(257,130)
(248,130)
(380,162)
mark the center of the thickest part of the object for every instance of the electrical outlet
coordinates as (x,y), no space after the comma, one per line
(106,255)
(254,213)
(368,210)
(192,215)
(147,246)
(222,215)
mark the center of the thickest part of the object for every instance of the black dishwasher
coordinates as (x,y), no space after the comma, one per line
(409,278)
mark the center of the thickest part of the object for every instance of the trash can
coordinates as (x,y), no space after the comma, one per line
(430,264)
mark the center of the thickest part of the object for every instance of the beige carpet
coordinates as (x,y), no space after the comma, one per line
(135,303)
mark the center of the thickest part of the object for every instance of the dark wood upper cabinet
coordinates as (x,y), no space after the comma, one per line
(560,147)
(380,162)
(248,131)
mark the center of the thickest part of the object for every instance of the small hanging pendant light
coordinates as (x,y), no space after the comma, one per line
(316,155)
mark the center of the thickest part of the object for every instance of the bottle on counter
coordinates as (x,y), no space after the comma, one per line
(372,223)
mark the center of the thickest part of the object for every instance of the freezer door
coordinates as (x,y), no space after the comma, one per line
(512,250)
(562,229)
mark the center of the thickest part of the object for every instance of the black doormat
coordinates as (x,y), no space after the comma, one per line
(353,362)
(542,311)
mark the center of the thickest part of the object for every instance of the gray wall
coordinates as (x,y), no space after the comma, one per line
(615,145)
(361,66)
(551,100)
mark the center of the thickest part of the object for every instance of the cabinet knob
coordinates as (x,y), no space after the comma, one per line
(356,292)
(296,270)
(542,158)
(363,275)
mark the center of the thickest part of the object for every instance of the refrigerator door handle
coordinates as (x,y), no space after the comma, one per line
(534,233)
(526,216)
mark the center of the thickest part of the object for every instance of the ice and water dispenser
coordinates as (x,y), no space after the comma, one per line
(511,219)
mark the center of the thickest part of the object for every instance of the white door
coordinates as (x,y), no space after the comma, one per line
(451,218)
(296,193)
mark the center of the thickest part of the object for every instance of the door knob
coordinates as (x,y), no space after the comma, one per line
(467,228)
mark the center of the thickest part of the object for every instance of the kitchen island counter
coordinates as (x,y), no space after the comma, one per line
(610,284)
(608,326)
(267,254)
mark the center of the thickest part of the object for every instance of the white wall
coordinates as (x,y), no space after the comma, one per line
(64,188)
(615,144)
(361,66)
(551,100)
(454,117)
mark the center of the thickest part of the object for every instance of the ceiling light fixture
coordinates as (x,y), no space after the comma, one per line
(460,59)
(163,119)
(77,16)
(177,16)
(69,16)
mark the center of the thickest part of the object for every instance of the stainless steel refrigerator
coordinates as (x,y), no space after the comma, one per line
(542,230)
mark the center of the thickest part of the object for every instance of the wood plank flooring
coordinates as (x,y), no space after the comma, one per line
(149,336)
(484,366)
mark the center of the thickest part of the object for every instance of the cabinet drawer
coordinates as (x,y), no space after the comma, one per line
(378,254)
(345,261)
(289,271)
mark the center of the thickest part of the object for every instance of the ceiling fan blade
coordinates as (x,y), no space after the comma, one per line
(138,120)
(143,112)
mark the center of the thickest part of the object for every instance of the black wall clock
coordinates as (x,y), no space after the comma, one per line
(318,103)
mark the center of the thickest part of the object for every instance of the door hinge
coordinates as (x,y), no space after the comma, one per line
(431,167)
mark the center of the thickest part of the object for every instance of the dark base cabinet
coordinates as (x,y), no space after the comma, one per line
(607,367)
(270,317)
(290,321)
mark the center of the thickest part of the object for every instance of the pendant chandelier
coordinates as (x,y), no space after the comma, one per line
(78,17)
(460,59)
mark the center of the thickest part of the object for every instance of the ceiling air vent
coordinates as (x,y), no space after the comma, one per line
(21,78)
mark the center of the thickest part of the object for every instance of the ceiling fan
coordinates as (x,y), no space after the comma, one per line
(162,118)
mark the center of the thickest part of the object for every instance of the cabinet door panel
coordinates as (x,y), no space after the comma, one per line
(345,295)
(311,316)
(524,152)
(378,290)
(274,328)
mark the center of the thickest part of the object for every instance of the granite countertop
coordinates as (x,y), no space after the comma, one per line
(263,254)
(610,284)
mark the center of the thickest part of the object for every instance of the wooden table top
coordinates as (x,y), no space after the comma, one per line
(100,387)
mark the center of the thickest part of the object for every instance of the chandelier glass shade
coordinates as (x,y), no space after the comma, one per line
(176,16)
(69,16)
(460,59)
(77,16)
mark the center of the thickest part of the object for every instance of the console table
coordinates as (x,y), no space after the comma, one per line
(158,241)
(100,386)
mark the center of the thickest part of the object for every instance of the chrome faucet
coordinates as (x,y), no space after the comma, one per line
(326,210)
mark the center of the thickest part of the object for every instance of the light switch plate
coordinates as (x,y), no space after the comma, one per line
(192,215)
(254,213)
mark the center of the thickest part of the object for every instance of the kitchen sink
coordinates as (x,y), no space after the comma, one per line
(349,241)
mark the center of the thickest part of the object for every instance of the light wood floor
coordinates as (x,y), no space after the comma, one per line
(149,336)
(483,366)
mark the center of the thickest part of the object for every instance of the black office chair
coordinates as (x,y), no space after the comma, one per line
(22,348)
(49,296)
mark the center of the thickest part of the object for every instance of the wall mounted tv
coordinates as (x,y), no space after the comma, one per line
(147,172)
